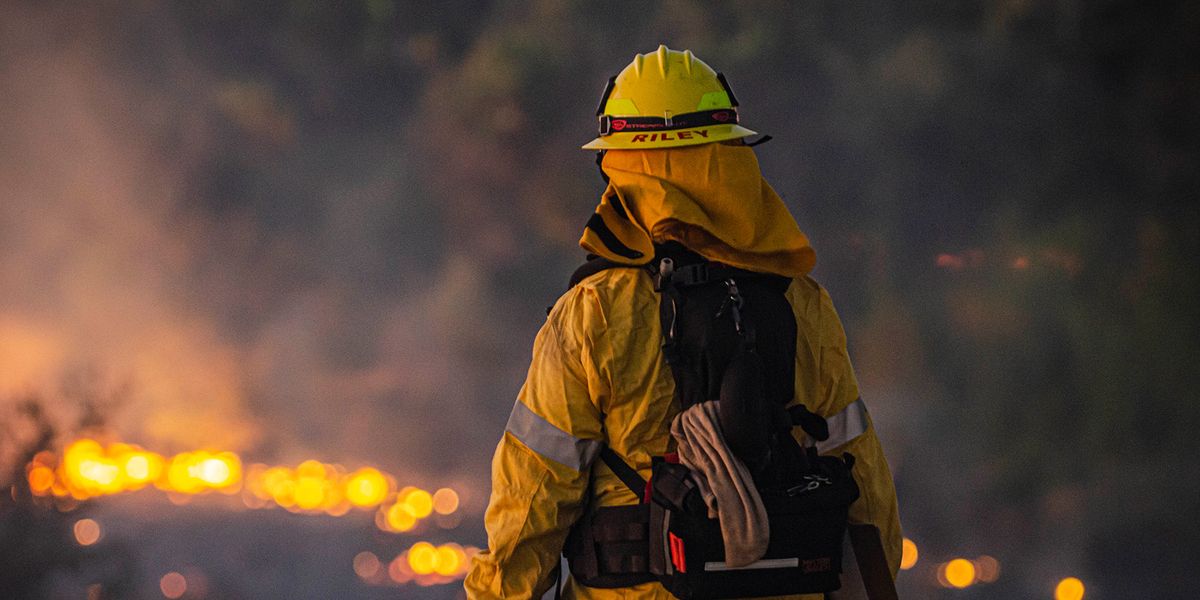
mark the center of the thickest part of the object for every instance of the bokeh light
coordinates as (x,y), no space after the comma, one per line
(400,571)
(987,569)
(400,517)
(422,557)
(309,492)
(89,470)
(213,471)
(450,521)
(366,565)
(445,501)
(173,585)
(87,532)
(41,479)
(419,502)
(426,564)
(1070,588)
(908,555)
(137,467)
(367,487)
(447,560)
(958,573)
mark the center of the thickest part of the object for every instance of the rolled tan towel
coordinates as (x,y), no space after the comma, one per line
(724,482)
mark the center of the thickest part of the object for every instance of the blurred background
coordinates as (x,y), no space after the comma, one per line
(270,273)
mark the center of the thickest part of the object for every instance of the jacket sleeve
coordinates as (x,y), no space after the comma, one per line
(541,465)
(851,431)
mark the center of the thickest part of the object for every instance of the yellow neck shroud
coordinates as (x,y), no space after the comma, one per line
(711,198)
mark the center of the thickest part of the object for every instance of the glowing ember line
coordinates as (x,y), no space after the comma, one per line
(88,469)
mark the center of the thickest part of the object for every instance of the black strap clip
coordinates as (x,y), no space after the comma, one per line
(605,125)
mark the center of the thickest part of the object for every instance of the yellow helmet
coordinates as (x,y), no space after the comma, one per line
(666,99)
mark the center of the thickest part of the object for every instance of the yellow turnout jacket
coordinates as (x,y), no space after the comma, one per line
(598,375)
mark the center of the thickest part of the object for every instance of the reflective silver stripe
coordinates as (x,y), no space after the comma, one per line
(848,424)
(549,441)
(768,563)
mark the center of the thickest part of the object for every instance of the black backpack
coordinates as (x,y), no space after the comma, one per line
(728,334)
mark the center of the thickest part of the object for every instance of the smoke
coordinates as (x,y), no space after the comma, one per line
(93,261)
(317,318)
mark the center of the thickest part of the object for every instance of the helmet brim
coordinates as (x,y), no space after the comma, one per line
(629,140)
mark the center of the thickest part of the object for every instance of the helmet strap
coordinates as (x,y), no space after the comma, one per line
(728,90)
(761,140)
(608,88)
(600,165)
(721,116)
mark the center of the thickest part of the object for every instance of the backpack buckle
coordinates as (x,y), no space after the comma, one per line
(691,275)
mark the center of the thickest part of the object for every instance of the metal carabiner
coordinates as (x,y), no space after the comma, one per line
(734,302)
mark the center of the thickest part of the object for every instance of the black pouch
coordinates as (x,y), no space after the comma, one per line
(804,555)
(607,548)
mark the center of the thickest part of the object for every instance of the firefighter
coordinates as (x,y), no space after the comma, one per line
(678,170)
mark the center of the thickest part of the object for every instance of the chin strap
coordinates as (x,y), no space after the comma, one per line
(600,165)
(761,140)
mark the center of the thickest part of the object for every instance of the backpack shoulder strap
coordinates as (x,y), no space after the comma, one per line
(594,265)
(627,474)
